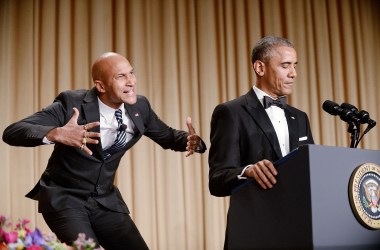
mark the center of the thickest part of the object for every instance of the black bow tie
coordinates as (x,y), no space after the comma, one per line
(279,102)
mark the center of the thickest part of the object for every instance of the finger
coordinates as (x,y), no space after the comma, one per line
(193,140)
(74,118)
(189,152)
(264,175)
(92,125)
(91,141)
(87,134)
(267,177)
(257,178)
(270,166)
(264,180)
(190,126)
(85,149)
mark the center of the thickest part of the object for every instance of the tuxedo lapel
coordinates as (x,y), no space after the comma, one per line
(257,112)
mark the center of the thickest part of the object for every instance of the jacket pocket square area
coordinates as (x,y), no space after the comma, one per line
(302,138)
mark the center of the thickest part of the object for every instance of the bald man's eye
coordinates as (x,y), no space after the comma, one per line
(119,77)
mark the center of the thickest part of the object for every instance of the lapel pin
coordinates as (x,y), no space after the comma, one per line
(137,114)
(293,117)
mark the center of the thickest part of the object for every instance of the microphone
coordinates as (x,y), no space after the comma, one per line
(123,127)
(349,113)
(334,109)
(362,115)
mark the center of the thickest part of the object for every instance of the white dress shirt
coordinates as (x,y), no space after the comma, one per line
(278,119)
(109,125)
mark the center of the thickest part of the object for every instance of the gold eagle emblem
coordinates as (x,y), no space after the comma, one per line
(372,194)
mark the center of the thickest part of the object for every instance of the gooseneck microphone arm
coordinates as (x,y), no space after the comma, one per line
(371,124)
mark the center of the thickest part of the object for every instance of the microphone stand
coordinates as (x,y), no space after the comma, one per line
(354,130)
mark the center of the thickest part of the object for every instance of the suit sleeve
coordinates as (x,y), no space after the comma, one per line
(30,131)
(165,136)
(224,155)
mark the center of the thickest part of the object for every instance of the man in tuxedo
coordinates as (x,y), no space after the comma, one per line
(91,130)
(252,131)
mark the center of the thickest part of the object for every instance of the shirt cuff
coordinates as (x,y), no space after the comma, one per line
(240,176)
(199,148)
(46,141)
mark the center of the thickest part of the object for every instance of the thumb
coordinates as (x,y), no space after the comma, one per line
(74,118)
(190,126)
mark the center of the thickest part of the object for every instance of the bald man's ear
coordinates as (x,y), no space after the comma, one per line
(99,86)
(259,67)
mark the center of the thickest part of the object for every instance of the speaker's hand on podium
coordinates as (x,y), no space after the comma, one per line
(263,172)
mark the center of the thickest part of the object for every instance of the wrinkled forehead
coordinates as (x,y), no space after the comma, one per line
(119,65)
(110,65)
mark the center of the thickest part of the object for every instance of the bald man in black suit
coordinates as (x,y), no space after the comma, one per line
(76,193)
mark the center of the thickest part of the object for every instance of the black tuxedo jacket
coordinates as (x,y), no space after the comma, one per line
(242,134)
(71,175)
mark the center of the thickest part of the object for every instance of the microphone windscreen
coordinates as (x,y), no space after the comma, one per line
(363,116)
(349,107)
(123,127)
(331,107)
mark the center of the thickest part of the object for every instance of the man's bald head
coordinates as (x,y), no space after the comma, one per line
(114,80)
(103,65)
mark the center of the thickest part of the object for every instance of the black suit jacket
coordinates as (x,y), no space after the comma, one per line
(71,175)
(242,134)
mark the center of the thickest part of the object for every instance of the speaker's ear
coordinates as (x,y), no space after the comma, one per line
(99,86)
(259,67)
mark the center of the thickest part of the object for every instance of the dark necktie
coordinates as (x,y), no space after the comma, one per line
(279,102)
(121,138)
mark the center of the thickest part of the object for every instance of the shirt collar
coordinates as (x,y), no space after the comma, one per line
(260,94)
(107,112)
